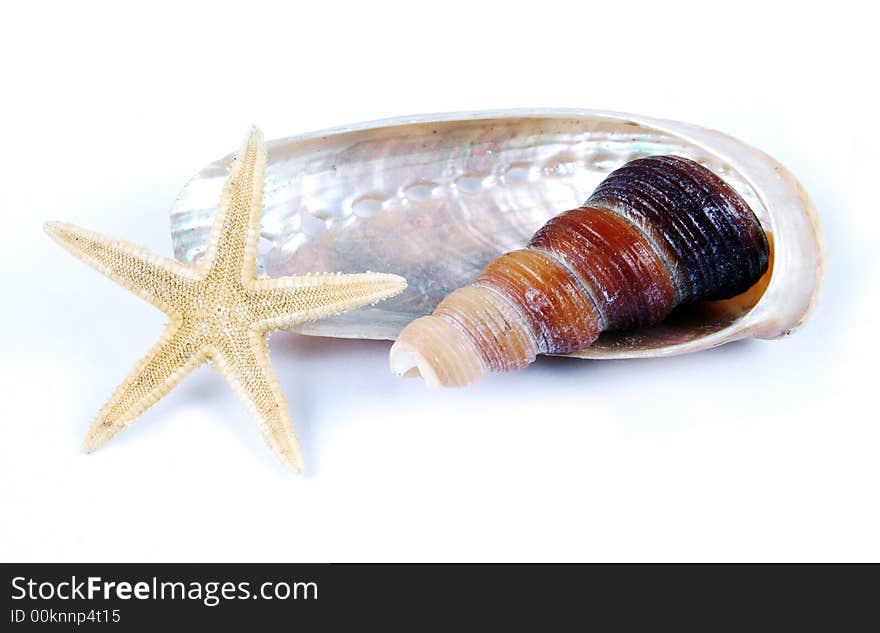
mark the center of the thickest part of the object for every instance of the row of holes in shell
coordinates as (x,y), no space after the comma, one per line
(565,164)
(369,205)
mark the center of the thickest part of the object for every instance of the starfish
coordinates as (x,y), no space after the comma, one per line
(219,311)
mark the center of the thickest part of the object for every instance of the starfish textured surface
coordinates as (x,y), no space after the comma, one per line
(219,310)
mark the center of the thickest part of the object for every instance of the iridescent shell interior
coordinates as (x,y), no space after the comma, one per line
(436,198)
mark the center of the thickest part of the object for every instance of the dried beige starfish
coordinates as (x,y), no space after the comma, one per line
(219,311)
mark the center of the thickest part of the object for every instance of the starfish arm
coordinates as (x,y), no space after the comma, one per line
(286,301)
(174,355)
(244,362)
(231,253)
(156,279)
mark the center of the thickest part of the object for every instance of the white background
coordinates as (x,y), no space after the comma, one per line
(755,451)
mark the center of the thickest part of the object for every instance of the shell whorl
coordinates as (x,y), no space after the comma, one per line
(707,233)
(657,232)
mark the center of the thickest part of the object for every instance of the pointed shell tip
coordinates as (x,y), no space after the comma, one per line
(406,362)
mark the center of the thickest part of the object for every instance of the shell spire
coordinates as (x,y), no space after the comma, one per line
(657,232)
